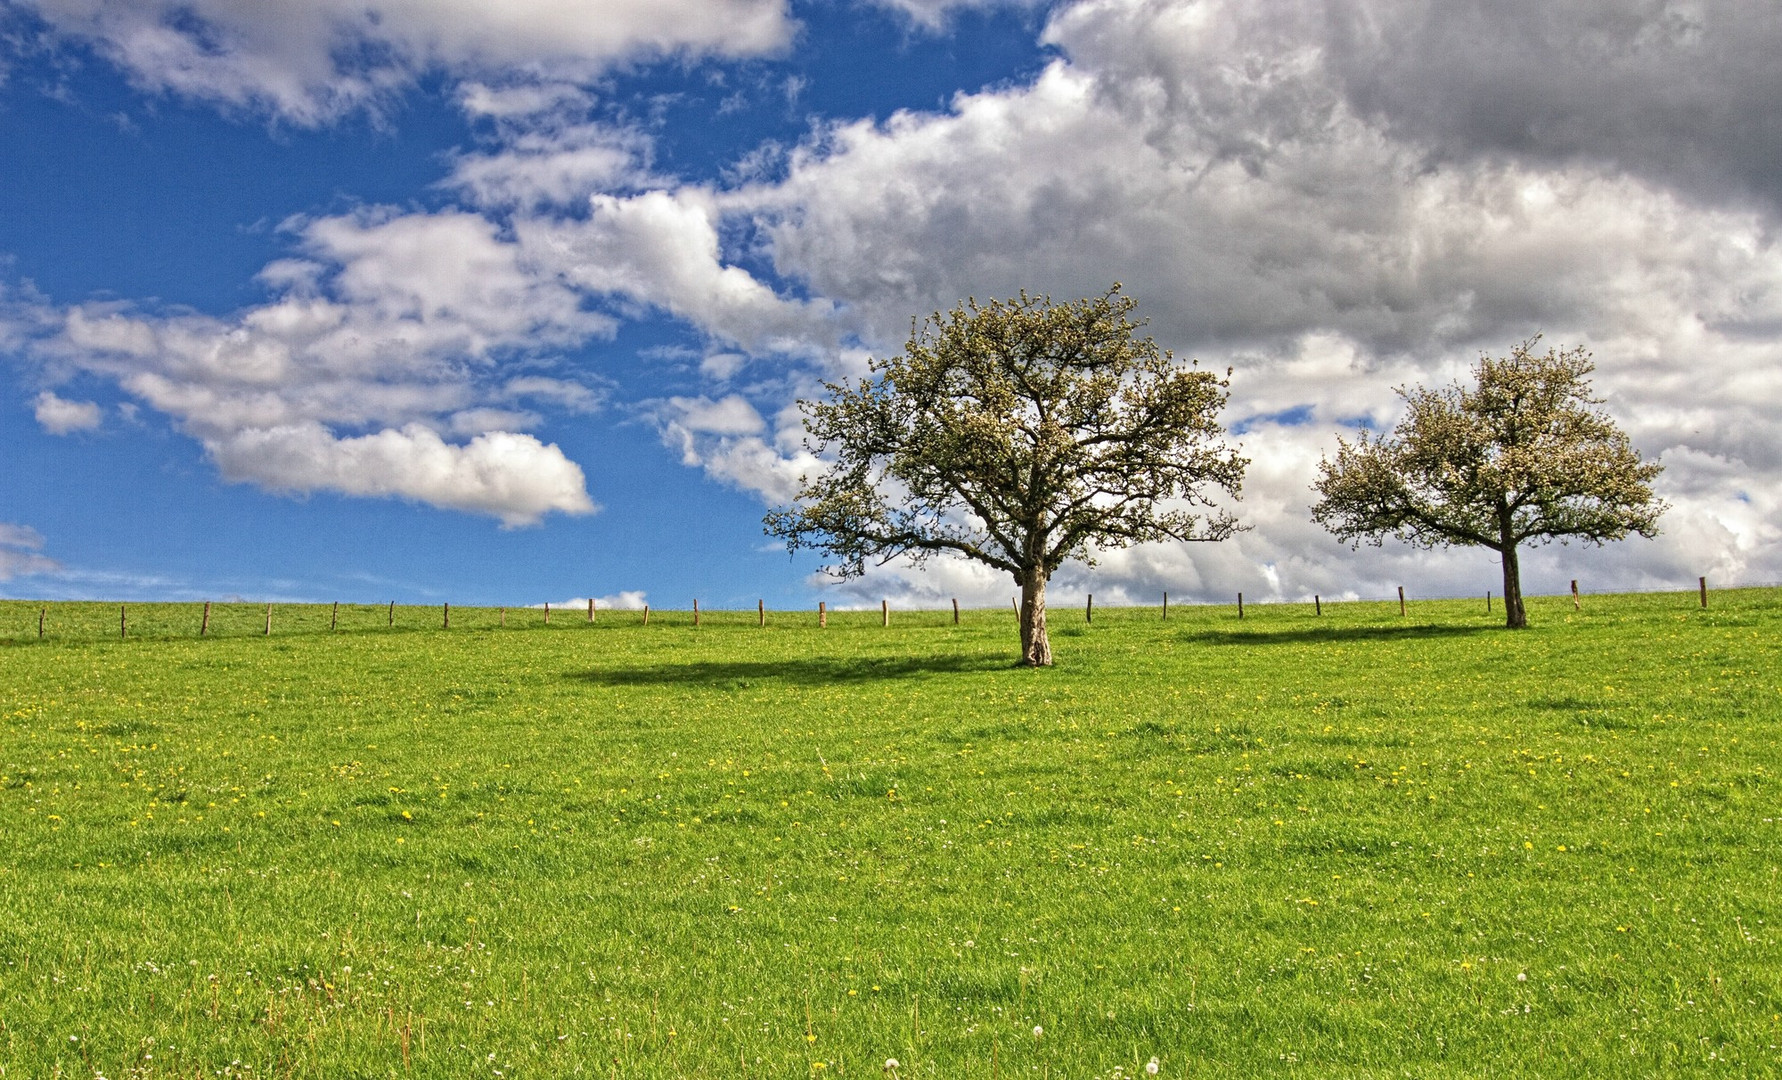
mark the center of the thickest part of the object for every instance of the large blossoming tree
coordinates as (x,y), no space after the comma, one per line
(1019,434)
(1523,455)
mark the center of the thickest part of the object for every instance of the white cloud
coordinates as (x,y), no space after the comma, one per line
(59,416)
(386,331)
(553,167)
(310,62)
(624,600)
(935,14)
(513,477)
(20,547)
(661,249)
(729,440)
(1211,157)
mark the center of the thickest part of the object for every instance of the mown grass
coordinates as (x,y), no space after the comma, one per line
(1348,845)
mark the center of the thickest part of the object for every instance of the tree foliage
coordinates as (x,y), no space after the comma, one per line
(1019,433)
(1522,455)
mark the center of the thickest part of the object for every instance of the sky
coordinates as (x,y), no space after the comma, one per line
(494,302)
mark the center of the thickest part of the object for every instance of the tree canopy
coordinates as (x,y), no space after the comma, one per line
(1521,455)
(1018,433)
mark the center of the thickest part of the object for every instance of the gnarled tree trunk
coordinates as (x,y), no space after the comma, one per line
(1514,617)
(1036,651)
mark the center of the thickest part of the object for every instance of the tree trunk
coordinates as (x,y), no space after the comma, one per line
(1514,617)
(1036,651)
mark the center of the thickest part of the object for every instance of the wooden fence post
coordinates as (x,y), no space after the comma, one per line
(204,623)
(955,611)
(504,618)
(1089,609)
(590,609)
(822,613)
(1487,601)
(42,614)
(760,613)
(1401,600)
(1166,605)
(1240,605)
(1574,594)
(392,619)
(1703,583)
(695,613)
(1317,604)
(123,623)
(268,621)
(334,617)
(547,613)
(884,613)
(447,624)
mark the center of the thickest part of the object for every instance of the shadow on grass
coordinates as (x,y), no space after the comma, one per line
(738,674)
(1334,634)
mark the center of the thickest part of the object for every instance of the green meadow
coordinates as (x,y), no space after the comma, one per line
(1342,845)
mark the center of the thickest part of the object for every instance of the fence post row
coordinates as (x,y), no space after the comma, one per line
(761,611)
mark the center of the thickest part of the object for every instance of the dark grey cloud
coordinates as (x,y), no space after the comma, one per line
(1682,92)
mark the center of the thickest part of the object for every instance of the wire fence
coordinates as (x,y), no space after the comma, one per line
(25,621)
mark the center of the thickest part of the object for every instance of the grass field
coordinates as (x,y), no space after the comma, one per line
(1352,845)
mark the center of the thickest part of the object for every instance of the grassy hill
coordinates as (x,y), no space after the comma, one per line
(1352,844)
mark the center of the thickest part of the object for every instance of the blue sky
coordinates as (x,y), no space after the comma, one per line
(510,303)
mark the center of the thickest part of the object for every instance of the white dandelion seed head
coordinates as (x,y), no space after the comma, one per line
(890,1064)
(1038,1031)
(1152,1066)
(1522,976)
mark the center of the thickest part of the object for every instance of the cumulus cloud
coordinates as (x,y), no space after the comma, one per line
(386,331)
(661,249)
(311,62)
(513,477)
(1331,238)
(59,416)
(730,441)
(20,552)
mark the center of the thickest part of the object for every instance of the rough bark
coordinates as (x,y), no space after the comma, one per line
(1515,618)
(1036,650)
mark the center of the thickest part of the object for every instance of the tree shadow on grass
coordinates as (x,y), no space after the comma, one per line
(1334,634)
(739,674)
